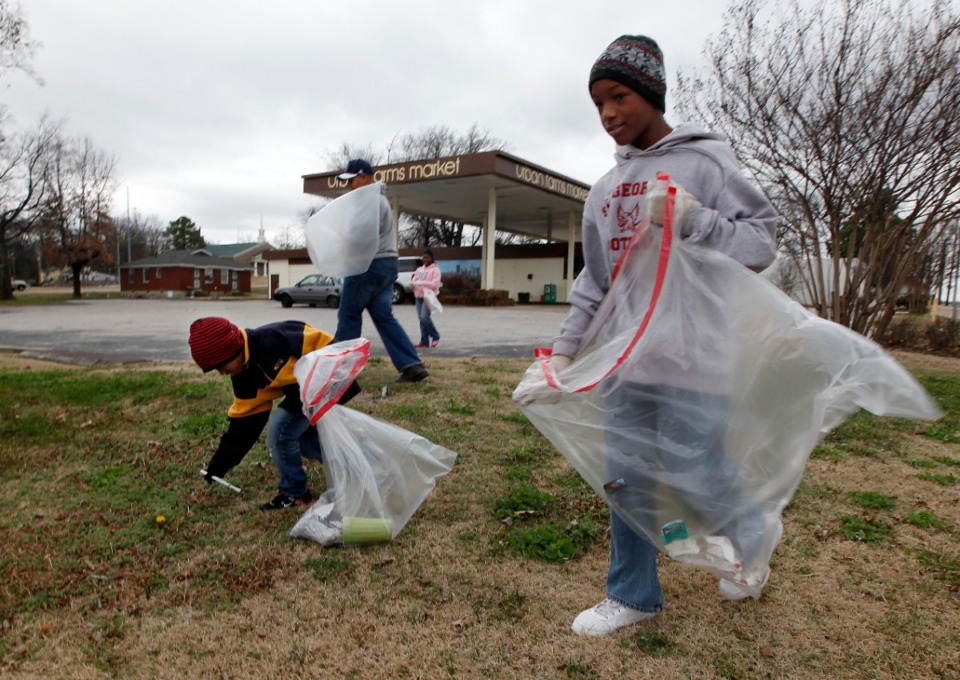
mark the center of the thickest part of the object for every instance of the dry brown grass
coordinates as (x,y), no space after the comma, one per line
(443,601)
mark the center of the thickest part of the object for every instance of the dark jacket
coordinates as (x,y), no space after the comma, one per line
(270,353)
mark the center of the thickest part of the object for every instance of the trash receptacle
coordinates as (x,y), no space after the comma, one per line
(550,293)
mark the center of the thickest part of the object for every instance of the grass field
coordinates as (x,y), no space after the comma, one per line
(119,561)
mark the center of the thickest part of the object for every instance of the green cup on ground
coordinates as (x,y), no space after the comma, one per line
(363,530)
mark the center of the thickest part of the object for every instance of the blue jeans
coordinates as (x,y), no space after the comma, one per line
(667,437)
(428,331)
(290,439)
(373,291)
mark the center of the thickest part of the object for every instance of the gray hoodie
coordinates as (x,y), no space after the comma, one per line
(387,246)
(731,216)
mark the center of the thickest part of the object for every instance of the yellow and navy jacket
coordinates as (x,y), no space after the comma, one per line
(270,353)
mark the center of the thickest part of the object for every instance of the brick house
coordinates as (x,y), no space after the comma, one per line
(187,272)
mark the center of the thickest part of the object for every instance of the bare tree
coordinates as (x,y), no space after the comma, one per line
(437,142)
(136,236)
(23,166)
(848,115)
(22,156)
(76,224)
(289,237)
(346,152)
(16,46)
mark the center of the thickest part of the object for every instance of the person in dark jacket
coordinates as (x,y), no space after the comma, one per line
(260,364)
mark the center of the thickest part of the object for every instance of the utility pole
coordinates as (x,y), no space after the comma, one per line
(129,245)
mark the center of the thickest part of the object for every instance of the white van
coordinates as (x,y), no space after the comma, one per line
(403,288)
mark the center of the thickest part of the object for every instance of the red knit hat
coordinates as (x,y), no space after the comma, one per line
(214,341)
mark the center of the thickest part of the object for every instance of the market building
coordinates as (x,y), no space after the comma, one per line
(491,190)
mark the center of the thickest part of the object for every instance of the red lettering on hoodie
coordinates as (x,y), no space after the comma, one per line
(629,189)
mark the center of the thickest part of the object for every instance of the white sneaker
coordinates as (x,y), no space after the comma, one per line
(607,617)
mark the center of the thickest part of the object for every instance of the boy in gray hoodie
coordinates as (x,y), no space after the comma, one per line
(716,207)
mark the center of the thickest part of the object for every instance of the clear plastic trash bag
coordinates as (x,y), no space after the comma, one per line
(432,302)
(342,237)
(377,476)
(325,374)
(699,391)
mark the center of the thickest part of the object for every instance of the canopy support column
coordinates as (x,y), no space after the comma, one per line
(489,240)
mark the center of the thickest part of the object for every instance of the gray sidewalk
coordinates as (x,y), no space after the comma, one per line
(122,331)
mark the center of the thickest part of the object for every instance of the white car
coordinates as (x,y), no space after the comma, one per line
(19,284)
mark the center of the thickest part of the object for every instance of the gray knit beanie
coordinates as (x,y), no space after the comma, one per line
(637,62)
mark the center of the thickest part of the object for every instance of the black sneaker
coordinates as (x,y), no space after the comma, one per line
(414,373)
(282,501)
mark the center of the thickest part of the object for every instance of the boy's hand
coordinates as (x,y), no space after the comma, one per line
(657,199)
(215,468)
(558,362)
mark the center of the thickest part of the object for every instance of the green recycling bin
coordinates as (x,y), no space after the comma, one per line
(550,293)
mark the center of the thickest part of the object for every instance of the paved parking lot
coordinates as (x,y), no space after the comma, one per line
(119,331)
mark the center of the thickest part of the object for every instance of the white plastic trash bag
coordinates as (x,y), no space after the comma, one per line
(342,237)
(325,374)
(698,394)
(377,476)
(431,300)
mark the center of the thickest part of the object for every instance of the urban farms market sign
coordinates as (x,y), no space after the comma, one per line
(487,163)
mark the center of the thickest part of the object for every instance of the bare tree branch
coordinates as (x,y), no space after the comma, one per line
(848,115)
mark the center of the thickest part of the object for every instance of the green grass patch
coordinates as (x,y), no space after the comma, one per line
(872,500)
(552,543)
(947,460)
(516,417)
(579,669)
(920,463)
(524,500)
(460,408)
(941,479)
(925,519)
(946,568)
(858,528)
(655,643)
(332,566)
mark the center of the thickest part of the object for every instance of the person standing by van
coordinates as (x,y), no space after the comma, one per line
(426,278)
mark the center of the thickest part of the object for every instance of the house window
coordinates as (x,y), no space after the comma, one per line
(131,277)
(223,275)
(146,275)
(208,276)
(157,273)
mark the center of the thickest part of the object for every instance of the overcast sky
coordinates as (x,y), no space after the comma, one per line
(215,109)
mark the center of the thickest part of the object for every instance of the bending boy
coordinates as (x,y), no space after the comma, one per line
(260,364)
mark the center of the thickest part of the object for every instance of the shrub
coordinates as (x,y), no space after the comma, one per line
(904,332)
(944,335)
